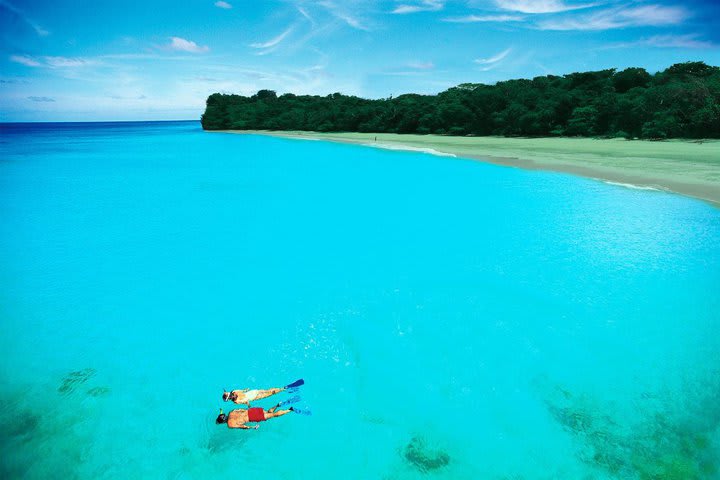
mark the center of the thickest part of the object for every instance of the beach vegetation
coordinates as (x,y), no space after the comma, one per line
(682,101)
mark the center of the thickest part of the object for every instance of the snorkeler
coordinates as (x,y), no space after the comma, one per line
(247,395)
(240,417)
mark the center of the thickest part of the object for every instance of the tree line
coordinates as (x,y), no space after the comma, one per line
(682,101)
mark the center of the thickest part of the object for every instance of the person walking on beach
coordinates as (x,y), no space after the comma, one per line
(247,395)
(240,417)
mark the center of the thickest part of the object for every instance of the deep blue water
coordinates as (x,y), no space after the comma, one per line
(452,319)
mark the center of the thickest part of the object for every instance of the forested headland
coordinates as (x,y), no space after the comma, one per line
(682,101)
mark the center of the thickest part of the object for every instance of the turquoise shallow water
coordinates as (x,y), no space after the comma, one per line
(452,319)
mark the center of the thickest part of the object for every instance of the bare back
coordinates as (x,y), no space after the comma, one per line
(237,418)
(238,396)
(247,395)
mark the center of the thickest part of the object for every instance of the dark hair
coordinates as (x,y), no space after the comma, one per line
(222,418)
(226,396)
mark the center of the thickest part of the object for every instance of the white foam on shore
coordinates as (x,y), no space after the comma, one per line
(633,186)
(431,151)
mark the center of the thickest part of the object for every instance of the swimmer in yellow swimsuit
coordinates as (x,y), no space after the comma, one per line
(247,395)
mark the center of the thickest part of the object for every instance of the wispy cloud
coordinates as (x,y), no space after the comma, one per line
(401,73)
(25,60)
(313,79)
(421,65)
(420,6)
(221,4)
(41,99)
(494,58)
(352,21)
(52,62)
(134,97)
(182,45)
(305,14)
(485,18)
(540,6)
(494,61)
(67,62)
(667,41)
(343,14)
(622,17)
(273,42)
(19,13)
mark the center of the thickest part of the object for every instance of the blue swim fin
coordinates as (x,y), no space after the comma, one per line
(301,411)
(294,399)
(295,384)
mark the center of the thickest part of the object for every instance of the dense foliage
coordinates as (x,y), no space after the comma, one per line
(682,101)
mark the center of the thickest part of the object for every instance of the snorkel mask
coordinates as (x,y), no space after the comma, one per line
(222,418)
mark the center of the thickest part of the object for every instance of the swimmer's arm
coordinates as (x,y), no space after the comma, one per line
(245,427)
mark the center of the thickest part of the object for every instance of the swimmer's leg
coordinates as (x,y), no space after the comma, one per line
(275,413)
(267,393)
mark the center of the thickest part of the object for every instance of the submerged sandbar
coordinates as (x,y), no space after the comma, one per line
(689,168)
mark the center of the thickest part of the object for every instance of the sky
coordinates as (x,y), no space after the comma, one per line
(97,60)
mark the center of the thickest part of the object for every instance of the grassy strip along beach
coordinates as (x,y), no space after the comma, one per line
(690,168)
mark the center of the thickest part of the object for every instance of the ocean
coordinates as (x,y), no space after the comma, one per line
(451,319)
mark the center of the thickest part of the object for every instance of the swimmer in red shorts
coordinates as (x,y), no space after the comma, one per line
(239,417)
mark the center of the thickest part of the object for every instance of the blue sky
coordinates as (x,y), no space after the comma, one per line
(160,59)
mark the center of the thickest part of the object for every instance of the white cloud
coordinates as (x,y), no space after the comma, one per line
(41,99)
(38,29)
(312,79)
(421,6)
(134,97)
(539,6)
(678,41)
(221,4)
(24,60)
(495,58)
(52,62)
(484,18)
(412,73)
(183,45)
(641,16)
(344,15)
(305,14)
(421,65)
(352,21)
(66,62)
(668,41)
(275,41)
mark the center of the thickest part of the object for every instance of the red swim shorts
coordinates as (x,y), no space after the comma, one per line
(256,414)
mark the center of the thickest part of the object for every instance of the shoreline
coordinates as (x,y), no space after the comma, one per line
(689,168)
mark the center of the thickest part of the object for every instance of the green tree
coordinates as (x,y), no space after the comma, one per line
(583,121)
(681,101)
(630,78)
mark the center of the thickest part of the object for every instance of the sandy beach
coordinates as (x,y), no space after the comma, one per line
(689,168)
